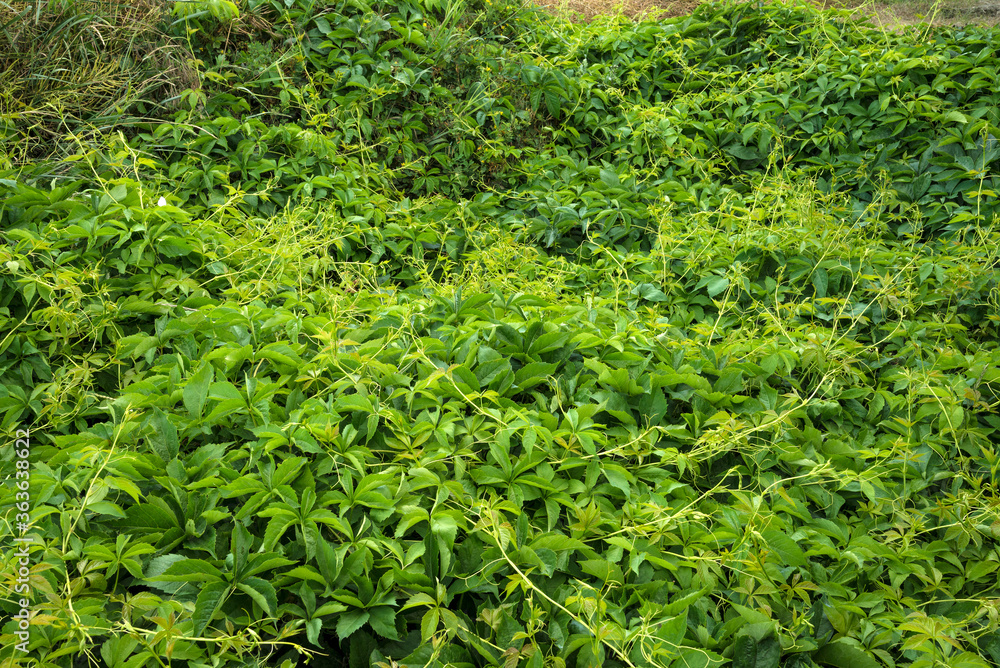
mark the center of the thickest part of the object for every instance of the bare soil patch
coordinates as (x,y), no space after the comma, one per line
(896,15)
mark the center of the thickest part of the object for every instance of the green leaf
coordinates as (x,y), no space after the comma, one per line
(672,631)
(350,622)
(967,660)
(280,353)
(287,470)
(313,627)
(532,374)
(784,548)
(729,382)
(768,652)
(196,390)
(362,646)
(276,528)
(610,178)
(106,508)
(163,440)
(210,599)
(114,651)
(697,658)
(261,591)
(190,570)
(820,281)
(742,152)
(653,405)
(240,545)
(444,526)
(842,655)
(618,477)
(428,624)
(383,620)
(329,561)
(770,363)
(174,246)
(552,102)
(548,558)
(260,562)
(682,603)
(717,285)
(745,652)
(650,293)
(751,616)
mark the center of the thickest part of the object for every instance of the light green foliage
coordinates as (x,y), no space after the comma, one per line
(470,337)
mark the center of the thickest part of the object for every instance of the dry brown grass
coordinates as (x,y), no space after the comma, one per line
(70,66)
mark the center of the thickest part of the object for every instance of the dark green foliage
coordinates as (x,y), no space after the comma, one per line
(464,336)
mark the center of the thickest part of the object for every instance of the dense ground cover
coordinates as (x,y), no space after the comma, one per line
(467,336)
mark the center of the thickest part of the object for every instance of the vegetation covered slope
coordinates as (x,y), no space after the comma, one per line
(449,333)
